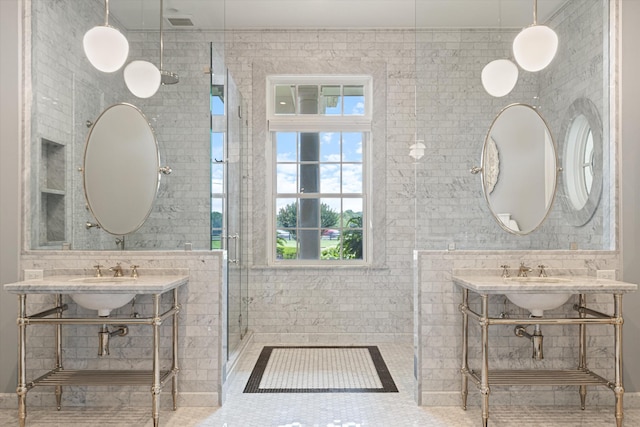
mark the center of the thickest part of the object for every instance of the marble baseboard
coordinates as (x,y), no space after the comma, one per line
(40,399)
(549,396)
(329,339)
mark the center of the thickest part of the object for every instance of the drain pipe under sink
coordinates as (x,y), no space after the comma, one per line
(103,337)
(536,339)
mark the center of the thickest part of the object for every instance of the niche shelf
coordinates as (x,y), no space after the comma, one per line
(52,192)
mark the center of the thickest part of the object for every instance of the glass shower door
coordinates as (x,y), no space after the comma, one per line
(228,217)
(235,222)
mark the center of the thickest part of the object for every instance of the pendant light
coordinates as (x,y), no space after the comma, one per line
(536,46)
(499,77)
(106,47)
(143,77)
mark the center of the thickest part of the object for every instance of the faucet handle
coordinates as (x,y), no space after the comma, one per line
(542,272)
(505,270)
(134,270)
(98,272)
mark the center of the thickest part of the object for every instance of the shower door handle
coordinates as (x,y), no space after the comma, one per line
(236,259)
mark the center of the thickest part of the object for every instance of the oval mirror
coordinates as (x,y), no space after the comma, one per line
(121,169)
(581,160)
(519,169)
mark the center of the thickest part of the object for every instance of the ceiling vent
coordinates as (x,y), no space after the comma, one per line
(180,21)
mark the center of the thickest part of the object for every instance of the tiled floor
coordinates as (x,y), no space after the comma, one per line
(324,410)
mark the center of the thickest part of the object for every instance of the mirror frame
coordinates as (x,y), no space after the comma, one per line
(156,163)
(486,153)
(582,107)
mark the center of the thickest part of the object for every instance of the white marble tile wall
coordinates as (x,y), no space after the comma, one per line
(454,114)
(336,304)
(68,93)
(439,329)
(578,71)
(199,331)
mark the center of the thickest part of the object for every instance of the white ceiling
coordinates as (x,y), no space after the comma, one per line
(288,14)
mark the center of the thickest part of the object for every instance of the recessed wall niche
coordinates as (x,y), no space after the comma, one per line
(52,192)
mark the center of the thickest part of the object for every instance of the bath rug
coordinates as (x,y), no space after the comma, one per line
(320,369)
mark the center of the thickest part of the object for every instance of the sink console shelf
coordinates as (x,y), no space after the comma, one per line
(581,376)
(58,376)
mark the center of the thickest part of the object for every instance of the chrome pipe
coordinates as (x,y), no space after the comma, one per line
(58,309)
(465,348)
(21,390)
(582,302)
(536,341)
(609,320)
(58,339)
(582,309)
(484,387)
(100,321)
(156,388)
(103,341)
(619,389)
(174,357)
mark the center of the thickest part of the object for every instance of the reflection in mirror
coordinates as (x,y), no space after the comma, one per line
(519,169)
(582,162)
(121,169)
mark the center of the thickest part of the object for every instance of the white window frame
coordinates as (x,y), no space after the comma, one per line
(319,123)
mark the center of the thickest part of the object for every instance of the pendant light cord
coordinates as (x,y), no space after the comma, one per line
(106,13)
(535,12)
(161,42)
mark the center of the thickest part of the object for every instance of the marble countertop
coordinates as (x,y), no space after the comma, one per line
(581,284)
(74,284)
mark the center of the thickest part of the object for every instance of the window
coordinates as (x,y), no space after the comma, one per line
(319,131)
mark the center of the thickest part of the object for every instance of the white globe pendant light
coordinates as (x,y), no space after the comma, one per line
(499,77)
(142,78)
(106,47)
(536,46)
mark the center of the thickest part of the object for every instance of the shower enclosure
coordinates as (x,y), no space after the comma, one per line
(228,187)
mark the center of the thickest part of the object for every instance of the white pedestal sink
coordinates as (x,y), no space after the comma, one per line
(537,303)
(103,302)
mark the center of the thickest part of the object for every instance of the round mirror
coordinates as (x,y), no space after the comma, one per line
(519,169)
(121,169)
(581,161)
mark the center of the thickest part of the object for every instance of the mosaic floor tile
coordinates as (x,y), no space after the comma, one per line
(320,369)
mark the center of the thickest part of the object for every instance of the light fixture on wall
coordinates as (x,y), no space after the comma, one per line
(499,77)
(106,47)
(417,150)
(536,46)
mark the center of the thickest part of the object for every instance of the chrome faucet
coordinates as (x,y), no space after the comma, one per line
(98,271)
(543,273)
(117,270)
(505,271)
(523,270)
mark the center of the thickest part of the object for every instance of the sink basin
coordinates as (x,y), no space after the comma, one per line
(537,303)
(104,303)
(538,279)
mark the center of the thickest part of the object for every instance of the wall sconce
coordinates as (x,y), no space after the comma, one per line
(106,47)
(536,46)
(417,150)
(499,77)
